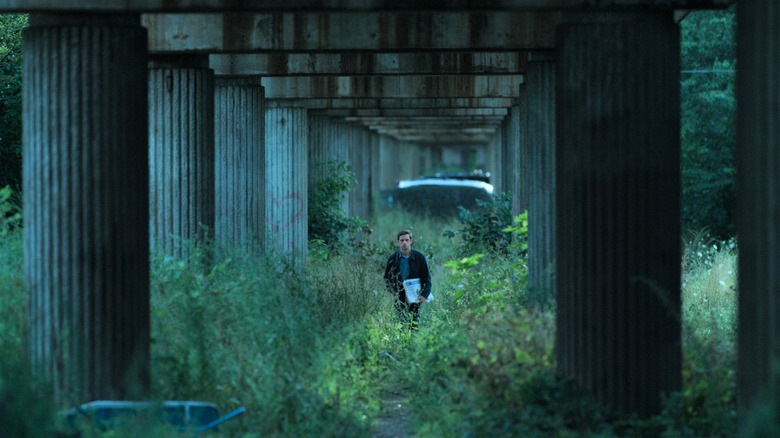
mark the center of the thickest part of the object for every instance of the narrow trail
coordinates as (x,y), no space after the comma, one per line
(393,417)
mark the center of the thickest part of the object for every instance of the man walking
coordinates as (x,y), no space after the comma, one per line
(406,264)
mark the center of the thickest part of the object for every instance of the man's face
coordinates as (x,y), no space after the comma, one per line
(405,243)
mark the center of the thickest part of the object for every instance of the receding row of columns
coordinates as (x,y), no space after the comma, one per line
(120,147)
(611,188)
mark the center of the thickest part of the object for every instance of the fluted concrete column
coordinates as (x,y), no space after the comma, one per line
(618,212)
(376,171)
(540,179)
(516,155)
(337,149)
(320,127)
(286,183)
(758,209)
(360,161)
(239,146)
(494,159)
(86,244)
(181,152)
(408,165)
(389,154)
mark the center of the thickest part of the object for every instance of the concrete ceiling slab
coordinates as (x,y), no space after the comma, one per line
(308,32)
(364,64)
(392,87)
(341,5)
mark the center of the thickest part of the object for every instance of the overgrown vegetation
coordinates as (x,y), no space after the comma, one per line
(11,26)
(708,110)
(329,224)
(483,228)
(308,354)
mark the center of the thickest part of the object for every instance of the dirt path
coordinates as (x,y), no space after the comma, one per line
(393,416)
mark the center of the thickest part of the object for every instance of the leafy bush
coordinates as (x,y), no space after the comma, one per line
(10,211)
(483,228)
(328,223)
(25,405)
(13,308)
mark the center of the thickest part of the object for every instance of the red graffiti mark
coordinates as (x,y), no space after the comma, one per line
(294,198)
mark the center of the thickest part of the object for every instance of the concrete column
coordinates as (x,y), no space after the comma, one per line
(239,146)
(286,182)
(376,171)
(337,149)
(360,161)
(181,152)
(320,127)
(540,179)
(408,164)
(618,212)
(507,163)
(86,241)
(758,171)
(389,156)
(495,151)
(516,156)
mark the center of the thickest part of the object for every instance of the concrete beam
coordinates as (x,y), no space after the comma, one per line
(341,5)
(306,32)
(430,128)
(432,112)
(442,138)
(423,120)
(362,64)
(378,87)
(386,104)
(433,130)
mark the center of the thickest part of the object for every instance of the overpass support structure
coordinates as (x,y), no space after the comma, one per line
(758,202)
(615,244)
(181,153)
(540,179)
(618,207)
(86,208)
(286,180)
(239,153)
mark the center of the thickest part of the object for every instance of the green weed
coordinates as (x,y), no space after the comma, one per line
(311,351)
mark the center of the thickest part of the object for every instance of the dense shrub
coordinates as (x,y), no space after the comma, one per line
(482,228)
(329,224)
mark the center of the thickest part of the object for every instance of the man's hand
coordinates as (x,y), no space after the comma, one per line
(421,299)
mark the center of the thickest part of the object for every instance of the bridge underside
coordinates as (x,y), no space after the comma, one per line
(575,104)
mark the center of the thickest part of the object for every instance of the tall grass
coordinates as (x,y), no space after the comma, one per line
(296,348)
(307,350)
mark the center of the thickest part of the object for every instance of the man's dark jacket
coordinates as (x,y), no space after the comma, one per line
(418,268)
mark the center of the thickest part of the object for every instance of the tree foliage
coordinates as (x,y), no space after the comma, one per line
(11,26)
(708,110)
(328,222)
(484,227)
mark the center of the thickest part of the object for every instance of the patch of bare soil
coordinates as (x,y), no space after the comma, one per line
(393,417)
